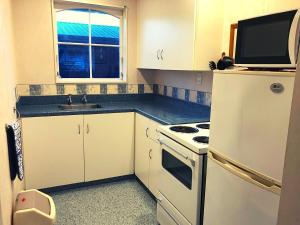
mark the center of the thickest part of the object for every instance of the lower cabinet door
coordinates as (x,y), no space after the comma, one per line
(108,145)
(142,149)
(53,151)
(154,167)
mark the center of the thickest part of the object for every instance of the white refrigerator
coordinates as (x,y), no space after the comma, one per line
(249,125)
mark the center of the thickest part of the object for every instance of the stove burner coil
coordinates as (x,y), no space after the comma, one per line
(201,139)
(184,129)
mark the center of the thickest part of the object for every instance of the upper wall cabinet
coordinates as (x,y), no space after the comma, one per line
(179,34)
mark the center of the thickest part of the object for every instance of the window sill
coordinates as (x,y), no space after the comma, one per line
(89,81)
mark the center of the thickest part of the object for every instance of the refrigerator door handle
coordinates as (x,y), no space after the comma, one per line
(248,176)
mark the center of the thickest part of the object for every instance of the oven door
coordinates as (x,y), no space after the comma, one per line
(181,178)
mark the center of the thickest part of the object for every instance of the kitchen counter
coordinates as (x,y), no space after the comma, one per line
(162,109)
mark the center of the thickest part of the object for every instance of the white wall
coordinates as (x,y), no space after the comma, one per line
(7,102)
(34,40)
(33,29)
(185,79)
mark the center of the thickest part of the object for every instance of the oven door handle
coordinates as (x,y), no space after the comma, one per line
(193,162)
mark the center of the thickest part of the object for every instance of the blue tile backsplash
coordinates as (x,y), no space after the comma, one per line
(165,90)
(186,94)
(175,92)
(60,89)
(103,89)
(141,89)
(122,88)
(199,97)
(155,89)
(35,90)
(81,89)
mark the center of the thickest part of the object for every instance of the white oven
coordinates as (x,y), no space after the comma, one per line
(181,184)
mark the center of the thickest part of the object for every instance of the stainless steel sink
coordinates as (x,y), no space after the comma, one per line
(79,106)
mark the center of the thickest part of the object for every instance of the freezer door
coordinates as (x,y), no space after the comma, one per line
(249,120)
(233,199)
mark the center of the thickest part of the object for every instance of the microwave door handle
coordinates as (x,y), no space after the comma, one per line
(179,153)
(294,38)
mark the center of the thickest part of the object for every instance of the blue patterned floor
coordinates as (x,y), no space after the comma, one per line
(117,203)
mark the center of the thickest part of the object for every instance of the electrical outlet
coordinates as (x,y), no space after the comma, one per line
(199,79)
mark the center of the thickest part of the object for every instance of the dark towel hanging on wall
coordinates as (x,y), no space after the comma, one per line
(15,155)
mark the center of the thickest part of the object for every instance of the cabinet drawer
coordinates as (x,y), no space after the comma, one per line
(168,214)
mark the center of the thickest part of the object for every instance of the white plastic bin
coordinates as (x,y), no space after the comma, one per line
(34,208)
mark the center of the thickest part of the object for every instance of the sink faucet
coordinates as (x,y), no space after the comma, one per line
(69,100)
(84,99)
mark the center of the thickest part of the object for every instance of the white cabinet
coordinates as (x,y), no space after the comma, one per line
(147,152)
(141,149)
(154,166)
(64,150)
(108,145)
(53,154)
(148,30)
(179,34)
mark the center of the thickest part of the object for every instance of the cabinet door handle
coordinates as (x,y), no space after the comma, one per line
(161,54)
(79,130)
(147,132)
(150,155)
(157,54)
(87,129)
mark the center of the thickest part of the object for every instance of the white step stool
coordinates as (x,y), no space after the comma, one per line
(34,208)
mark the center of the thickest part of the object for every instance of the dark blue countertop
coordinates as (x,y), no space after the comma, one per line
(162,109)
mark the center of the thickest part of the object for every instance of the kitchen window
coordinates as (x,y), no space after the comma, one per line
(89,43)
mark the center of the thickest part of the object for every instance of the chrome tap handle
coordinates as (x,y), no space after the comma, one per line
(84,99)
(69,100)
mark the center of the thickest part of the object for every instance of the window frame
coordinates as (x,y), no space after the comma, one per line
(64,5)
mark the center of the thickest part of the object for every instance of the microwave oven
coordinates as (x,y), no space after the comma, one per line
(270,41)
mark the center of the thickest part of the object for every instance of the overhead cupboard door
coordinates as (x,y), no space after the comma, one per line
(177,34)
(249,121)
(232,200)
(149,29)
